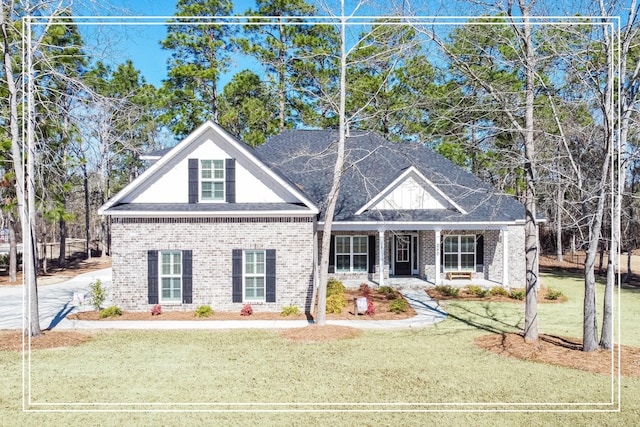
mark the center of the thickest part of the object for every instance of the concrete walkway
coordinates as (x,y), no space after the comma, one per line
(56,302)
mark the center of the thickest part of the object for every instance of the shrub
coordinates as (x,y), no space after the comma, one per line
(156,310)
(447,290)
(335,303)
(386,290)
(247,310)
(518,294)
(334,287)
(371,309)
(290,310)
(552,295)
(477,291)
(398,305)
(98,294)
(365,290)
(204,311)
(112,311)
(499,291)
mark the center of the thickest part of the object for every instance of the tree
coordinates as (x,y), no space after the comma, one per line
(248,109)
(201,54)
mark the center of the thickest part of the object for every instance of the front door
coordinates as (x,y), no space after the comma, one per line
(403,252)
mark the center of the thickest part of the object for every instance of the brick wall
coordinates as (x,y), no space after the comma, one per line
(212,241)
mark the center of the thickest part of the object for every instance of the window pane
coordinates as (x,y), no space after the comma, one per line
(342,263)
(166,263)
(467,261)
(451,244)
(218,190)
(468,244)
(360,263)
(218,169)
(451,262)
(360,245)
(254,288)
(342,245)
(207,190)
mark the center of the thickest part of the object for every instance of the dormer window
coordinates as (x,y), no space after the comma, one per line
(212,180)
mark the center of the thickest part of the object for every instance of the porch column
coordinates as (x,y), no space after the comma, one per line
(381,257)
(437,252)
(505,257)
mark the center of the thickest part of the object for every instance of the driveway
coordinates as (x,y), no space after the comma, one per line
(54,301)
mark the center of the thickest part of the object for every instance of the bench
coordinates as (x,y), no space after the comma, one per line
(459,275)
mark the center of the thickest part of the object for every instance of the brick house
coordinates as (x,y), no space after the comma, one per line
(216,222)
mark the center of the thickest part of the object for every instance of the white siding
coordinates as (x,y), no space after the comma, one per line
(410,194)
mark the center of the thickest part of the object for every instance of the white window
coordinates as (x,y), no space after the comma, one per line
(351,254)
(459,253)
(254,275)
(212,180)
(170,276)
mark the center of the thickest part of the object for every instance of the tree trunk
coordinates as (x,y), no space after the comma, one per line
(13,249)
(332,198)
(531,228)
(33,324)
(627,277)
(559,207)
(87,218)
(62,253)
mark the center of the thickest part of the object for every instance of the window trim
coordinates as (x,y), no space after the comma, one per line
(351,254)
(172,275)
(212,180)
(459,252)
(245,276)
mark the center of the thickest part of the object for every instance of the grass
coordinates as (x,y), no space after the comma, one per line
(438,364)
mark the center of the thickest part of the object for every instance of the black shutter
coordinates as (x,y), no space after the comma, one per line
(187,277)
(193,180)
(372,254)
(332,255)
(270,291)
(236,275)
(480,252)
(230,180)
(152,276)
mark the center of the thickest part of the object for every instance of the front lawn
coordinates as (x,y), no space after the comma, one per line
(435,368)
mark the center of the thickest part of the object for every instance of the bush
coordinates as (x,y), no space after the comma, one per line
(98,294)
(386,290)
(156,310)
(247,310)
(477,291)
(334,287)
(447,290)
(335,303)
(290,310)
(365,290)
(518,294)
(552,295)
(499,291)
(204,311)
(398,305)
(112,311)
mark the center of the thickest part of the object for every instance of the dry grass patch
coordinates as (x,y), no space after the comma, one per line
(315,333)
(12,340)
(566,352)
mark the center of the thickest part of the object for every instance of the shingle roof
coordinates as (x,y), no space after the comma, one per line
(307,158)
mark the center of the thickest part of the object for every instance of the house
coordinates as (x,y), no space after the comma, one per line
(216,222)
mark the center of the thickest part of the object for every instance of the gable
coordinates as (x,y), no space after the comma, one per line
(411,191)
(209,167)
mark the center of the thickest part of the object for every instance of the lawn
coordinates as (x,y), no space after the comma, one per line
(390,370)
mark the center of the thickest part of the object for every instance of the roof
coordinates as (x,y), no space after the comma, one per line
(307,158)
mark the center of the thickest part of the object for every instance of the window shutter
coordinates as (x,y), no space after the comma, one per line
(479,253)
(230,180)
(372,254)
(332,255)
(152,276)
(270,276)
(187,277)
(193,180)
(236,275)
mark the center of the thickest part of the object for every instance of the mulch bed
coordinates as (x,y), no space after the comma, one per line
(562,351)
(468,296)
(12,340)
